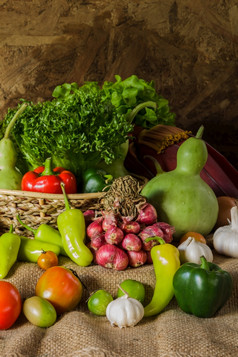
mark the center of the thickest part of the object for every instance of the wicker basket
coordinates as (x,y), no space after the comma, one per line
(36,208)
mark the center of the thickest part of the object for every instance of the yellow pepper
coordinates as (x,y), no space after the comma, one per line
(166,262)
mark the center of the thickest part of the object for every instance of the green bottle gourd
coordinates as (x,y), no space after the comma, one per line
(10,177)
(180,196)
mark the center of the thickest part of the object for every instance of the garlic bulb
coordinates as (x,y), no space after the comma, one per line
(124,311)
(225,239)
(191,251)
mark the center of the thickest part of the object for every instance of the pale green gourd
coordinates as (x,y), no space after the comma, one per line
(180,196)
(10,177)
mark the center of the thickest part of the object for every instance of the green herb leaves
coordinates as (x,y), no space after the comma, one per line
(126,94)
(83,126)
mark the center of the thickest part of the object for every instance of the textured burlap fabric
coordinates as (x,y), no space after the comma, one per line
(78,333)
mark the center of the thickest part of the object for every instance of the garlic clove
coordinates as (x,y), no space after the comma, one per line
(182,249)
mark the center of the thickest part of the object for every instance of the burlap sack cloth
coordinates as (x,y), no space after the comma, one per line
(78,333)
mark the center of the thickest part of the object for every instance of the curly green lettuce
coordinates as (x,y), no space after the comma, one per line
(85,126)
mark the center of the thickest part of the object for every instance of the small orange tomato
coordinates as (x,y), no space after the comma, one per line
(197,236)
(47,260)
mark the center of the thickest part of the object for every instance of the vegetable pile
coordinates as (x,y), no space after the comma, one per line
(118,233)
(85,126)
(84,134)
(128,235)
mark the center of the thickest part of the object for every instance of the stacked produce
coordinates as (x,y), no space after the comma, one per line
(86,126)
(78,143)
(59,290)
(118,233)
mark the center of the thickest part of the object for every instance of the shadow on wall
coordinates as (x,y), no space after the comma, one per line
(188,49)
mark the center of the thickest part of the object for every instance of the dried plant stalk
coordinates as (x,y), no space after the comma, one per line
(123,197)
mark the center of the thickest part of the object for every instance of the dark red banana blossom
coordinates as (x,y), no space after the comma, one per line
(218,172)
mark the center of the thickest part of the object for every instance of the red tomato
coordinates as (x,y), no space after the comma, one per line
(47,260)
(10,304)
(61,287)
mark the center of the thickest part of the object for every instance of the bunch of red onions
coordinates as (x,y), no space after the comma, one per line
(119,242)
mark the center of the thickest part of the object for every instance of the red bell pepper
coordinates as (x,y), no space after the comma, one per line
(44,179)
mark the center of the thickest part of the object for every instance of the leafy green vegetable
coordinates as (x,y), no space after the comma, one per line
(86,126)
(126,94)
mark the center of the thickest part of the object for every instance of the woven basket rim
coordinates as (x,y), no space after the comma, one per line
(73,196)
(59,196)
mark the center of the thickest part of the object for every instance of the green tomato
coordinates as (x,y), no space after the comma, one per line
(39,311)
(135,289)
(98,301)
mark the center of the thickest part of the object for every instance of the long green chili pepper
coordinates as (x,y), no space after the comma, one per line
(166,262)
(71,225)
(45,233)
(31,249)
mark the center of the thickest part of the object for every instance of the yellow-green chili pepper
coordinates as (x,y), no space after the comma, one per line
(166,262)
(31,249)
(45,233)
(71,225)
(9,247)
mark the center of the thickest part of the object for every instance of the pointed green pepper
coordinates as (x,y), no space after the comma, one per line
(45,233)
(31,249)
(71,225)
(9,247)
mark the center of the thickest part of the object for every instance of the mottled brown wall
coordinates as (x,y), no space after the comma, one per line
(189,48)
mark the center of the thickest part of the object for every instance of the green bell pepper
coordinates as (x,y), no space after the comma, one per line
(95,180)
(201,290)
(9,247)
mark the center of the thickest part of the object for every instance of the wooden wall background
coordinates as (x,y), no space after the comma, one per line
(189,48)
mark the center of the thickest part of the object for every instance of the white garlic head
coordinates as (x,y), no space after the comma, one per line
(225,239)
(124,311)
(191,251)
